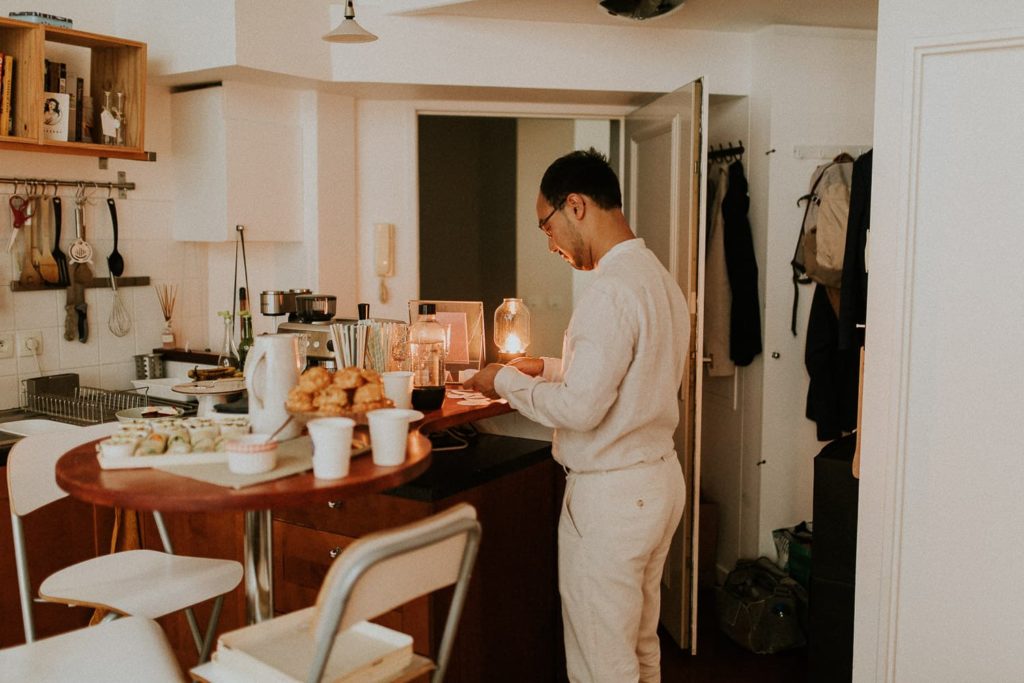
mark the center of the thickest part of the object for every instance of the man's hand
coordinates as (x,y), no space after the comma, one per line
(528,366)
(483,381)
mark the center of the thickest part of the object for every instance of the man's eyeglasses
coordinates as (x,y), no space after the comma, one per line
(543,224)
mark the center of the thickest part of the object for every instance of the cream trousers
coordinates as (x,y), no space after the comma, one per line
(613,536)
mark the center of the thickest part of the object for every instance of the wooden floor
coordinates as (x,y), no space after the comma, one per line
(720,660)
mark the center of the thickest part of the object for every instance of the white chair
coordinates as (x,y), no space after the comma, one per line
(122,651)
(144,583)
(371,576)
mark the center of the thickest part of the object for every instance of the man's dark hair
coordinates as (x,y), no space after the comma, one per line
(584,172)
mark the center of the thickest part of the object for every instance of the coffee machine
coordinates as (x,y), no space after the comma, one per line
(311,315)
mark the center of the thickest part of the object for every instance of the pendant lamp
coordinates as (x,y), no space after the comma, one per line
(349,31)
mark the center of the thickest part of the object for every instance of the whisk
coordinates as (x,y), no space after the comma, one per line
(120,321)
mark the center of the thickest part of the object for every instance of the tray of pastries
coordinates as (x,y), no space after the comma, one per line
(348,392)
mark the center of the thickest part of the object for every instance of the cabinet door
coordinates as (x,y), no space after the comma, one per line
(302,558)
(238,151)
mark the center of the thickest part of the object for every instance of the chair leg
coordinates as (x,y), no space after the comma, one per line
(211,629)
(193,626)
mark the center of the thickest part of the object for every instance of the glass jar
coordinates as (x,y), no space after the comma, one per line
(426,358)
(512,328)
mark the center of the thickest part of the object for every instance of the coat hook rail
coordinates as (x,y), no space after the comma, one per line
(730,153)
(54,182)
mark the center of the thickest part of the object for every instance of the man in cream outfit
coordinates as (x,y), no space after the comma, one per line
(612,401)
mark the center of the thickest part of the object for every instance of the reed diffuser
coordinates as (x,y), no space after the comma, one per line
(167,295)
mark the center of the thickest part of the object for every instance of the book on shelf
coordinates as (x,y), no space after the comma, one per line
(7,96)
(62,77)
(42,18)
(79,107)
(56,114)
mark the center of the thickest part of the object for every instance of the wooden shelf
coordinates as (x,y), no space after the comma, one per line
(114,63)
(96,283)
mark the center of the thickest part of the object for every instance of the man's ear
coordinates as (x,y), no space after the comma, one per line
(576,203)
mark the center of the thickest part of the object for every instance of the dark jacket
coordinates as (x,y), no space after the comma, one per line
(741,264)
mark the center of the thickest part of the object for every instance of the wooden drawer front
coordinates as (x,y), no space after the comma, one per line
(302,558)
(357,517)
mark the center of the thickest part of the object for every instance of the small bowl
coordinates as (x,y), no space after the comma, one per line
(147,413)
(118,446)
(251,454)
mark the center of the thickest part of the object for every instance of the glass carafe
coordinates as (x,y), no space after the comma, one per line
(228,355)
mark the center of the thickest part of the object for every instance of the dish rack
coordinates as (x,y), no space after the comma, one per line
(61,397)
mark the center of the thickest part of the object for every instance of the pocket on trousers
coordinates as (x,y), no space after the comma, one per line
(567,515)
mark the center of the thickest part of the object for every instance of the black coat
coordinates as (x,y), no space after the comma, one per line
(834,372)
(741,264)
(853,296)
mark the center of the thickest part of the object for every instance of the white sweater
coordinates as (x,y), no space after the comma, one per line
(613,397)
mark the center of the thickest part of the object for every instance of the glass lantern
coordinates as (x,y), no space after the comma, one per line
(511,329)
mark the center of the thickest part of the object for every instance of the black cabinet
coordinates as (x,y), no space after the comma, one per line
(833,564)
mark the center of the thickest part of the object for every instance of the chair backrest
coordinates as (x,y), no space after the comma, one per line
(384,570)
(31,484)
(31,462)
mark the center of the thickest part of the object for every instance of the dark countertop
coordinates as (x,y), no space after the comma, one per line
(487,457)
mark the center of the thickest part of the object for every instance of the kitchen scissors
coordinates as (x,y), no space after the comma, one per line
(21,211)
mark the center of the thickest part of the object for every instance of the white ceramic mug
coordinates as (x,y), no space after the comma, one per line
(398,387)
(389,432)
(271,370)
(332,446)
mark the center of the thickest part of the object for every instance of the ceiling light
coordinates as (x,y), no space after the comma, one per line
(349,31)
(640,9)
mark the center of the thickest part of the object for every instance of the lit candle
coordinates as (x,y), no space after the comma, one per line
(513,344)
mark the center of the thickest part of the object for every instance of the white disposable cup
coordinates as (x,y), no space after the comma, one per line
(251,454)
(398,387)
(332,446)
(389,431)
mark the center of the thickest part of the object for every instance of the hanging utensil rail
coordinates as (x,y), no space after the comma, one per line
(119,185)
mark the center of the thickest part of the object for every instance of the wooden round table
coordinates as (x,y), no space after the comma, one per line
(78,472)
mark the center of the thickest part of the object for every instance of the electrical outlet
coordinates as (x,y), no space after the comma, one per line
(30,343)
(6,345)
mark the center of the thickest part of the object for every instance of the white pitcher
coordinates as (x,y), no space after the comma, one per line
(271,369)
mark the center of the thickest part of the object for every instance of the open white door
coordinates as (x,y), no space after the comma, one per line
(665,159)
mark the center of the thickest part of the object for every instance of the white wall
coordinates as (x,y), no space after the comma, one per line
(543,280)
(809,87)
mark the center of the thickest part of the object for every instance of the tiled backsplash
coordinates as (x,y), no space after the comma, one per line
(106,361)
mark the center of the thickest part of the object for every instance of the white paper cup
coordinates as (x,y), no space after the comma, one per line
(389,431)
(332,446)
(398,387)
(251,454)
